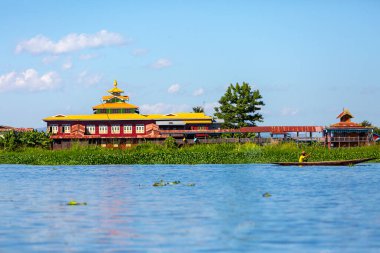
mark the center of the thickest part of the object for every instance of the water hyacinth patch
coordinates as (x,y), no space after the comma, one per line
(164,183)
(228,153)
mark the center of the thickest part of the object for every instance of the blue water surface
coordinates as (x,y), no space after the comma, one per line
(312,209)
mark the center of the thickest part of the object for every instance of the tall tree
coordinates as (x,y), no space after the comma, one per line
(198,109)
(239,106)
(366,123)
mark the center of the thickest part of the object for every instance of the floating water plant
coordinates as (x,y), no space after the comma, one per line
(267,195)
(164,183)
(74,203)
(160,183)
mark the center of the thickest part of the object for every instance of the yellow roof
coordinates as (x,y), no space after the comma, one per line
(112,96)
(114,106)
(115,89)
(191,117)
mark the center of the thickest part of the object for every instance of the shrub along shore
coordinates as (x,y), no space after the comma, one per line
(194,154)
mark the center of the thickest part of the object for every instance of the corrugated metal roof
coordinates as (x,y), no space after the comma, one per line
(281,129)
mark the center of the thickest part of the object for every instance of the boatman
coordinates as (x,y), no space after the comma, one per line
(303,157)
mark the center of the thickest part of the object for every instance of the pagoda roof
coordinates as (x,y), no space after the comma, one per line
(115,106)
(188,117)
(108,97)
(115,89)
(345,112)
(347,124)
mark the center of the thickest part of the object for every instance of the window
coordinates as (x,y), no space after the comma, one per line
(54,129)
(128,129)
(140,129)
(115,129)
(66,129)
(90,129)
(103,129)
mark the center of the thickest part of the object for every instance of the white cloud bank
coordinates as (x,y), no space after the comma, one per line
(198,92)
(139,52)
(163,108)
(209,108)
(28,80)
(174,88)
(87,56)
(89,79)
(71,42)
(287,111)
(161,63)
(67,65)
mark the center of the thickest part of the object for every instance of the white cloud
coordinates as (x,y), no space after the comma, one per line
(28,80)
(49,59)
(287,111)
(198,92)
(209,108)
(161,63)
(87,56)
(89,79)
(174,88)
(67,65)
(163,108)
(71,42)
(139,52)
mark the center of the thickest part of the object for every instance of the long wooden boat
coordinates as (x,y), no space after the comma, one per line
(326,163)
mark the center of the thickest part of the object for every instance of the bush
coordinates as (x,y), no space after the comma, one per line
(170,143)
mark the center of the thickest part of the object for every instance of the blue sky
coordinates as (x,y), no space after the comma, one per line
(309,59)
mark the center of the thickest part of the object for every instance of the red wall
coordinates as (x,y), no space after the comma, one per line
(109,124)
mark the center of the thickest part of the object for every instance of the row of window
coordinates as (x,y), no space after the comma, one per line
(103,129)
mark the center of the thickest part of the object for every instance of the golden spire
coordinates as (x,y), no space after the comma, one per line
(115,90)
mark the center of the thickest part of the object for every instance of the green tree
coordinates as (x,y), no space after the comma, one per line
(198,109)
(366,123)
(239,106)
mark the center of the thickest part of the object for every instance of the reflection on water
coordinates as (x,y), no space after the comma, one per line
(318,209)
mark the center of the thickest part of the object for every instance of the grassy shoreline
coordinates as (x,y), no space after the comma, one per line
(198,154)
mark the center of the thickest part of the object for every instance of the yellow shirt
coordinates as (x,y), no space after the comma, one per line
(302,159)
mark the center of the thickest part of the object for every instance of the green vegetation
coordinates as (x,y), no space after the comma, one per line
(15,140)
(198,109)
(366,123)
(239,106)
(192,154)
(164,183)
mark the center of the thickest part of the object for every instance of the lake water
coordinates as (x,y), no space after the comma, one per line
(312,209)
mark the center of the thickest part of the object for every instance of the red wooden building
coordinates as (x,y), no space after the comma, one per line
(117,123)
(346,133)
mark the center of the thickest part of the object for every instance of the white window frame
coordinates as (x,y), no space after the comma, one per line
(90,129)
(103,129)
(54,129)
(115,129)
(127,129)
(140,129)
(66,129)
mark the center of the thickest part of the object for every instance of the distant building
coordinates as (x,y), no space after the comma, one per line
(117,123)
(6,129)
(347,133)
